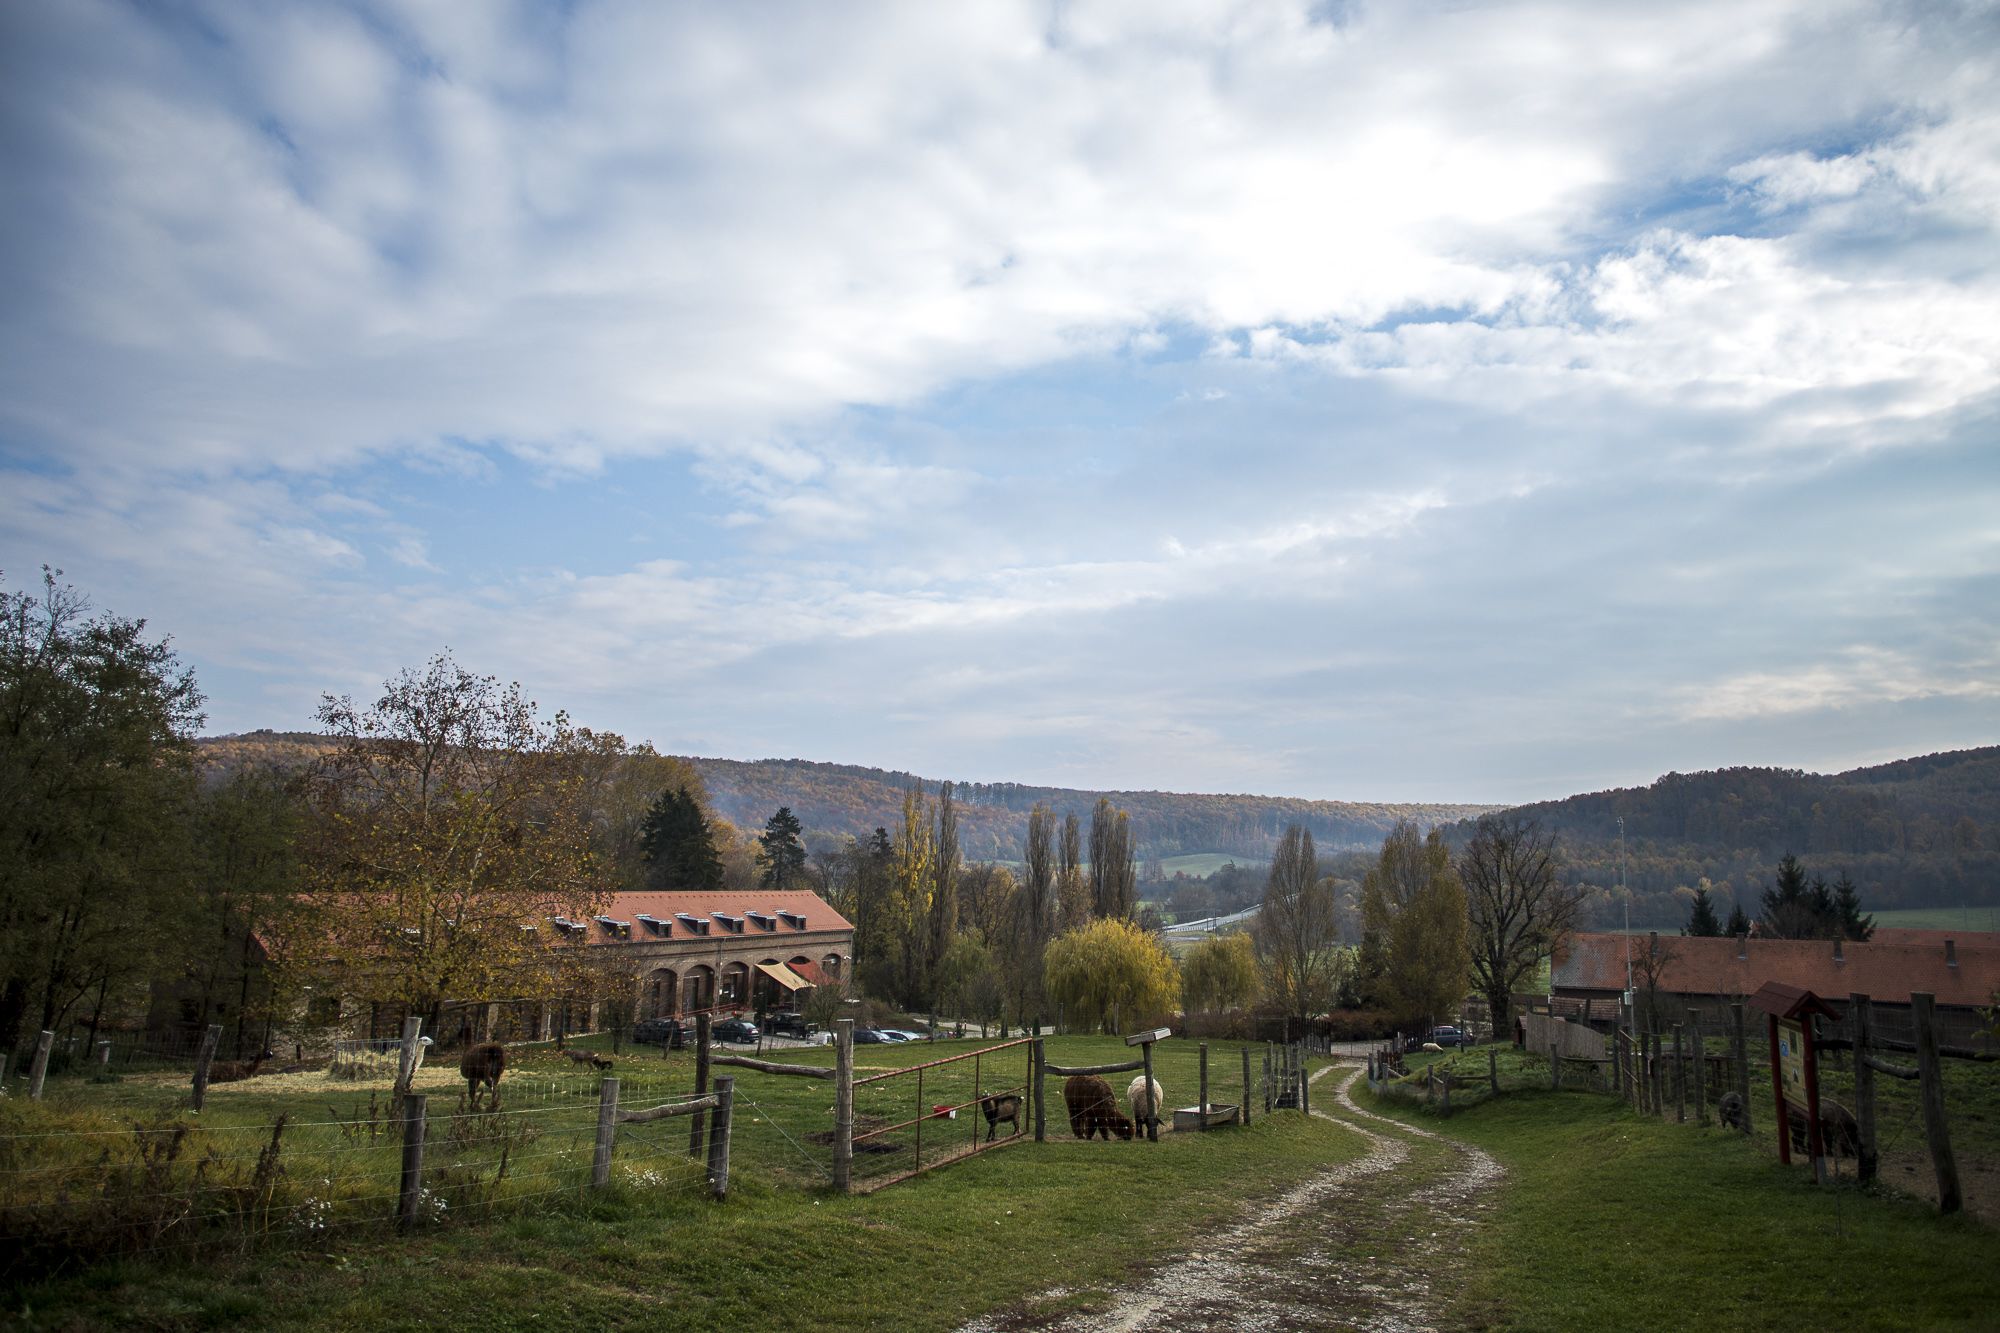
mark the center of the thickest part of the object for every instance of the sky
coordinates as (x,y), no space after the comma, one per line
(1362,401)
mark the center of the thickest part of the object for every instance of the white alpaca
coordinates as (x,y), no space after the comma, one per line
(1144,1108)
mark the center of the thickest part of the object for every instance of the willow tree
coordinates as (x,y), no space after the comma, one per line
(445,829)
(1110,973)
(1413,916)
(1219,973)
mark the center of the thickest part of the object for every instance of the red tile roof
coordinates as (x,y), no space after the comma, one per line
(1887,972)
(769,903)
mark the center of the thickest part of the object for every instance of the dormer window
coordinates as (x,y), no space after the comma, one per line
(796,920)
(569,927)
(694,924)
(763,920)
(732,924)
(616,929)
(654,924)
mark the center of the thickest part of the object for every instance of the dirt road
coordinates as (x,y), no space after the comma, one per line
(1364,1245)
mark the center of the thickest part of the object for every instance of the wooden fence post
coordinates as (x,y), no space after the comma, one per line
(1493,1070)
(6,1058)
(1446,1082)
(38,1070)
(718,1135)
(1203,1126)
(1041,1123)
(1930,1080)
(1267,1078)
(408,1054)
(1555,1066)
(843,1106)
(1680,1081)
(1151,1129)
(1862,1011)
(1740,1052)
(412,1190)
(1245,1117)
(201,1062)
(699,1120)
(1700,1069)
(1305,1088)
(607,1133)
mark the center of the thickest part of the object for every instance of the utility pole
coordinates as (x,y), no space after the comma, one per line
(1629,1013)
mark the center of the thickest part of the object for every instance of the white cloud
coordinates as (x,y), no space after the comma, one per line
(1862,676)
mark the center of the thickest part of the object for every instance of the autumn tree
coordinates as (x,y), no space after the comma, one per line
(1219,972)
(1518,907)
(1114,877)
(1109,974)
(448,818)
(97,721)
(781,855)
(1415,923)
(1297,932)
(676,846)
(1073,907)
(942,928)
(1036,908)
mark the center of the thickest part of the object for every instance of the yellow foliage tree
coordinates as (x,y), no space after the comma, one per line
(1220,972)
(1111,973)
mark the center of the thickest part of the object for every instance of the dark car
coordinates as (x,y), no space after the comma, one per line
(1450,1036)
(734,1029)
(869,1037)
(788,1025)
(659,1032)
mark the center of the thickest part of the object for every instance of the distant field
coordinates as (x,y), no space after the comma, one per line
(1199,864)
(1941,918)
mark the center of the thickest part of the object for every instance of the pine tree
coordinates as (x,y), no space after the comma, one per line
(781,853)
(677,846)
(1786,909)
(1739,924)
(1847,909)
(1701,919)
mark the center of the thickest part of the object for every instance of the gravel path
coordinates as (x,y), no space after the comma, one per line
(1357,1246)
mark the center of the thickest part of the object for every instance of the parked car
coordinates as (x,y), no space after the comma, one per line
(659,1032)
(894,1034)
(788,1025)
(870,1037)
(734,1029)
(1449,1036)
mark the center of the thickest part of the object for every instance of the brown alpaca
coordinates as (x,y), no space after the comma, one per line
(1093,1108)
(235,1071)
(483,1064)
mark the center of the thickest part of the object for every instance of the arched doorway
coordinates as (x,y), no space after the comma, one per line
(663,993)
(735,985)
(698,990)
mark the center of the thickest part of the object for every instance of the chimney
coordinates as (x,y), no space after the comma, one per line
(1742,944)
(1950,953)
(1836,951)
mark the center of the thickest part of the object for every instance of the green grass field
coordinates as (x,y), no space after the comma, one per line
(1199,865)
(1941,918)
(1609,1219)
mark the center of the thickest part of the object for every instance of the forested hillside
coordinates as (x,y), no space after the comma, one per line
(1921,832)
(842,799)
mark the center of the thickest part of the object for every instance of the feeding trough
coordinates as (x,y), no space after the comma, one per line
(1190,1117)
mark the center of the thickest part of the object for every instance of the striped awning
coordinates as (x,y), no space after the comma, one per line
(783,975)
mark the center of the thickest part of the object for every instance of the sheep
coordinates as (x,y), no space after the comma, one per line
(1092,1108)
(483,1064)
(1432,1048)
(1839,1131)
(1144,1108)
(997,1107)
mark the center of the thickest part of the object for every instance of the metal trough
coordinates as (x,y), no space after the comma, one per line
(1219,1113)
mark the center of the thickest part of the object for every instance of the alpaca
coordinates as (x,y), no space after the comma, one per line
(1730,1111)
(1000,1106)
(234,1071)
(483,1064)
(1092,1107)
(1144,1108)
(1839,1131)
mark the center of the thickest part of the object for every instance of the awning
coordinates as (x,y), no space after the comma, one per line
(812,972)
(783,975)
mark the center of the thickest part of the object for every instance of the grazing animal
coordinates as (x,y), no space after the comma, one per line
(1729,1110)
(235,1071)
(1093,1108)
(1433,1048)
(483,1064)
(997,1107)
(1839,1131)
(1144,1107)
(591,1058)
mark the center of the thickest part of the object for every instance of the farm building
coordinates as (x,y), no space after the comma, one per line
(1961,970)
(646,955)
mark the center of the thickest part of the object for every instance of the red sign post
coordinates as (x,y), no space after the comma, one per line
(1795,1064)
